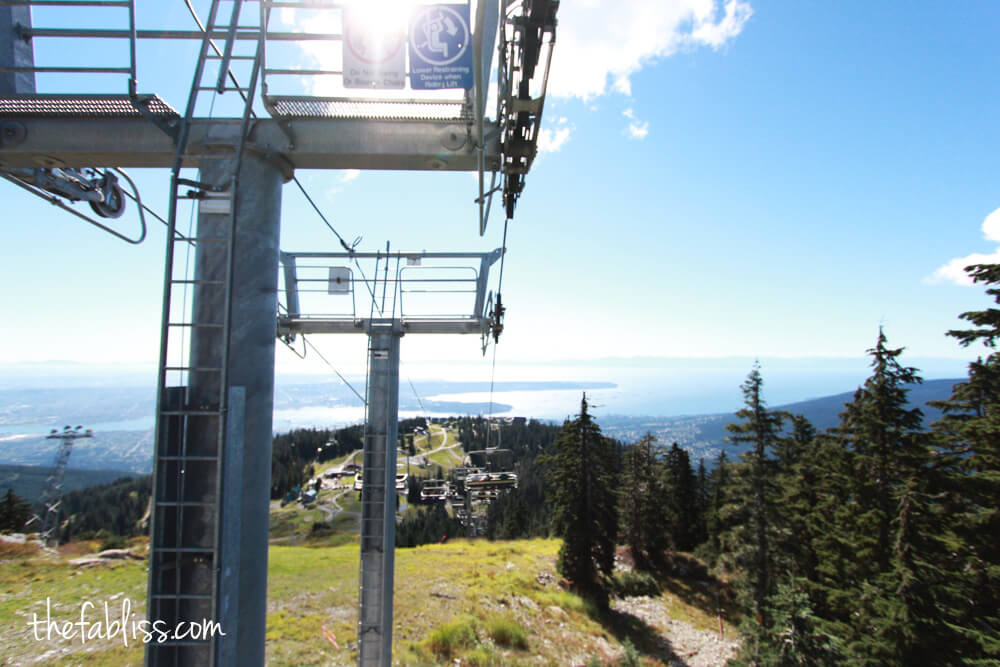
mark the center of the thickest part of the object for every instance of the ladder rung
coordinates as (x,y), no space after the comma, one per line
(212,56)
(181,596)
(197,282)
(200,239)
(202,369)
(224,89)
(196,325)
(194,550)
(189,458)
(191,413)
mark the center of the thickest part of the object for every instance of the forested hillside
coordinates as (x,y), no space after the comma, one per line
(873,541)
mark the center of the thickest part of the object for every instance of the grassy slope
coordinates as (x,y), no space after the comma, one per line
(481,602)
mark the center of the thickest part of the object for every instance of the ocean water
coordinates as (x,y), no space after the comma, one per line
(657,388)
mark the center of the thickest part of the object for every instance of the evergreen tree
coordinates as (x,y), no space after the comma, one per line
(870,545)
(681,498)
(752,539)
(702,501)
(644,521)
(969,434)
(719,497)
(582,485)
(14,512)
(797,473)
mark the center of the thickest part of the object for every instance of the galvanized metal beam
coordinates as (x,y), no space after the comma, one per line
(321,143)
(289,325)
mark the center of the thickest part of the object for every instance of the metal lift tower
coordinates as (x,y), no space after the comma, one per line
(208,541)
(417,293)
(51,497)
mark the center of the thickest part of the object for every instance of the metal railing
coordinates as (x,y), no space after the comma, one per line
(344,292)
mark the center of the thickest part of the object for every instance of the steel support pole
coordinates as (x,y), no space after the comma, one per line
(247,455)
(231,588)
(15,51)
(378,499)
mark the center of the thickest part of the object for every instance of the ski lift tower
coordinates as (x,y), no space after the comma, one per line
(50,500)
(419,103)
(413,293)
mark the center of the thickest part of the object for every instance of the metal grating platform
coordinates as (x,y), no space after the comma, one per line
(81,106)
(333,107)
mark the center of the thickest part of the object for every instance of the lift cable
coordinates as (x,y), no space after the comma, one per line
(419,402)
(312,347)
(498,309)
(306,343)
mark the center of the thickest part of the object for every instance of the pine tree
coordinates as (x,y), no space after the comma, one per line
(870,543)
(719,495)
(14,512)
(969,434)
(753,540)
(702,500)
(681,498)
(582,481)
(796,464)
(643,508)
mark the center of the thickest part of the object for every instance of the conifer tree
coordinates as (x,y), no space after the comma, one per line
(969,434)
(14,512)
(582,480)
(643,508)
(796,462)
(761,429)
(702,500)
(681,498)
(869,542)
(719,493)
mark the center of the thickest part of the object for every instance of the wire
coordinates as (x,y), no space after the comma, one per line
(503,254)
(312,347)
(493,370)
(348,248)
(307,343)
(421,403)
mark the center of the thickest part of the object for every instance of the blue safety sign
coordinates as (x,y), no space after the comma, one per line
(441,48)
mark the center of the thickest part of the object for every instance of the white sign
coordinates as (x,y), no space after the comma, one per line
(374,53)
(340,280)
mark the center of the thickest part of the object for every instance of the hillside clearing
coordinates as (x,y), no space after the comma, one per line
(478,602)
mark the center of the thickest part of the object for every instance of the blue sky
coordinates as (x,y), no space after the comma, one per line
(750,179)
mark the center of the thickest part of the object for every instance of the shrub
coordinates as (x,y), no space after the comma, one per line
(506,631)
(631,656)
(635,583)
(456,634)
(482,657)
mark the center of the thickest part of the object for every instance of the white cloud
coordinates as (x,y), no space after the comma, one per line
(991,226)
(349,175)
(602,41)
(637,129)
(552,139)
(954,271)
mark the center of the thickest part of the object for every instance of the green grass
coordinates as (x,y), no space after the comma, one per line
(475,601)
(448,640)
(506,631)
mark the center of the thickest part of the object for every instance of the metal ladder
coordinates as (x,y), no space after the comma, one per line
(192,395)
(378,500)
